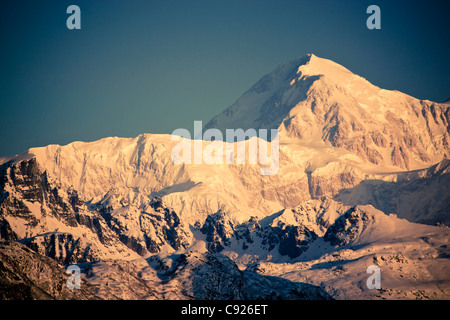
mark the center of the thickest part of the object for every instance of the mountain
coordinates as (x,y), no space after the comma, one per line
(27,275)
(320,102)
(363,179)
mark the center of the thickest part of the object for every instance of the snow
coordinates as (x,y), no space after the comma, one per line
(141,167)
(336,136)
(408,264)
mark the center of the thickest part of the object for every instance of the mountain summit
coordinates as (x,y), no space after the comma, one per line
(319,101)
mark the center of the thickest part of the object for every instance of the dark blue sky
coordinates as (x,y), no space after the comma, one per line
(153,66)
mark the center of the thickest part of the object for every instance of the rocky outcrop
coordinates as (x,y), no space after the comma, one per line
(27,275)
(215,277)
(53,222)
(294,240)
(148,229)
(23,185)
(291,239)
(348,227)
(219,230)
(62,247)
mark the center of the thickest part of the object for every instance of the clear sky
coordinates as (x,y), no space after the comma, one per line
(154,66)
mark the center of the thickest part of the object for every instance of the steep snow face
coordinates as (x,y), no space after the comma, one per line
(420,196)
(126,174)
(130,172)
(267,102)
(318,101)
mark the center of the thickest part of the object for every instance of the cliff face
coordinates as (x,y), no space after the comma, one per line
(52,221)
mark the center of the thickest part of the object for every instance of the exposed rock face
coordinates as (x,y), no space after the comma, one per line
(148,229)
(25,275)
(219,230)
(291,240)
(290,233)
(295,240)
(28,195)
(216,277)
(23,185)
(62,247)
(6,232)
(347,227)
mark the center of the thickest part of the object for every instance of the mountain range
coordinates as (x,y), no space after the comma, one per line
(363,180)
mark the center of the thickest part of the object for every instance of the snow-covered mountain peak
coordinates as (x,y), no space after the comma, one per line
(317,101)
(315,65)
(272,99)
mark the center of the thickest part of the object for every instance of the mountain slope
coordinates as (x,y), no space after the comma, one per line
(27,275)
(315,237)
(319,101)
(336,131)
(355,162)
